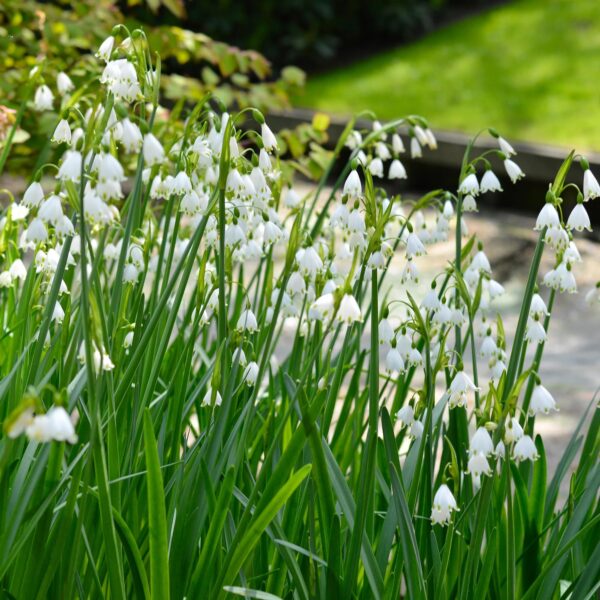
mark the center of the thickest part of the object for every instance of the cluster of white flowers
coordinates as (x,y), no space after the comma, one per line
(328,257)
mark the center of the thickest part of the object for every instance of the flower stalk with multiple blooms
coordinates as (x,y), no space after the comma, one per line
(216,384)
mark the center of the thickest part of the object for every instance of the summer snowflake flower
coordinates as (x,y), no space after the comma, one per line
(535,332)
(106,48)
(376,167)
(469,185)
(548,217)
(416,429)
(62,133)
(579,219)
(250,373)
(513,170)
(154,153)
(208,398)
(386,332)
(247,322)
(397,144)
(489,182)
(406,415)
(591,188)
(394,362)
(506,147)
(414,246)
(309,261)
(541,401)
(415,148)
(349,311)
(33,195)
(459,388)
(513,431)
(444,504)
(322,307)
(481,442)
(43,98)
(268,138)
(469,204)
(64,85)
(538,307)
(525,450)
(353,186)
(55,425)
(478,465)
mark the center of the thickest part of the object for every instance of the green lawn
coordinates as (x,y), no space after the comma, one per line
(530,68)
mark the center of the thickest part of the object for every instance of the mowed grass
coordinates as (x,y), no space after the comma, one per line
(530,68)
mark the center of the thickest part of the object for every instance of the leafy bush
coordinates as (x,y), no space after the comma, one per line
(54,38)
(208,390)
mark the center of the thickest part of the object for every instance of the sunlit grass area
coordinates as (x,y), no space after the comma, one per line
(531,67)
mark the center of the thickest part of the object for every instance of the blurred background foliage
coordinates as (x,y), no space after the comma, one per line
(314,33)
(62,36)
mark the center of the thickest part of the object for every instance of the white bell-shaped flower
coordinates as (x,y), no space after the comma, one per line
(541,401)
(444,504)
(525,449)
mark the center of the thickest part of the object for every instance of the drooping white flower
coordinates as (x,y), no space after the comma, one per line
(247,322)
(208,397)
(376,167)
(309,261)
(416,428)
(349,310)
(17,270)
(397,144)
(459,388)
(291,199)
(591,188)
(386,331)
(268,138)
(535,332)
(469,185)
(513,170)
(513,431)
(414,246)
(296,284)
(55,425)
(64,85)
(489,182)
(43,98)
(62,133)
(106,48)
(469,204)
(548,217)
(154,153)
(394,362)
(51,209)
(579,219)
(70,168)
(541,401)
(506,147)
(444,504)
(538,308)
(481,442)
(34,194)
(250,373)
(322,307)
(415,148)
(406,415)
(131,136)
(352,185)
(478,465)
(525,449)
(130,273)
